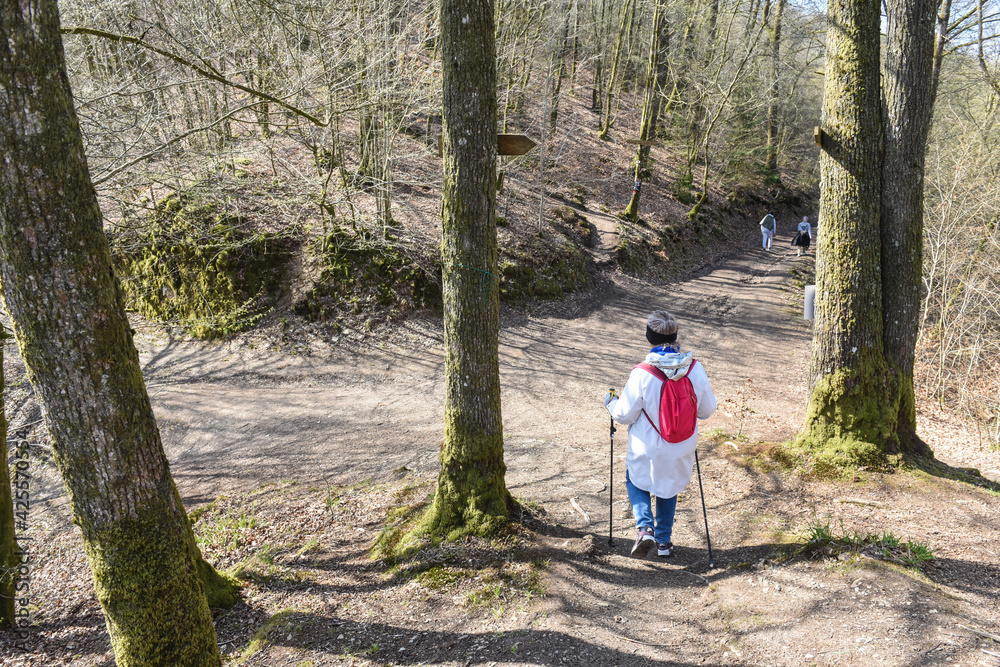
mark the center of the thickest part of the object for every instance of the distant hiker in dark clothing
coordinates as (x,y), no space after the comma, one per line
(767,227)
(803,236)
(654,466)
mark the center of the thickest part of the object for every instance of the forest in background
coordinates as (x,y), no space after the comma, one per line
(310,131)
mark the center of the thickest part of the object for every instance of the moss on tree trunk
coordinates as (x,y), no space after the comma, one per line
(471,495)
(849,375)
(869,268)
(66,308)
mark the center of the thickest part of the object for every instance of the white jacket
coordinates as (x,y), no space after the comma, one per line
(655,465)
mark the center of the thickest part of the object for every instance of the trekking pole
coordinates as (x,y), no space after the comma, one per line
(704,512)
(611,485)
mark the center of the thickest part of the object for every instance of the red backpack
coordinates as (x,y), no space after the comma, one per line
(678,406)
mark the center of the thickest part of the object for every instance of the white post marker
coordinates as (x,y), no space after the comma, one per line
(809,308)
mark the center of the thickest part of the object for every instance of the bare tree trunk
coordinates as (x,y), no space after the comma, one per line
(657,70)
(575,53)
(471,495)
(600,59)
(713,22)
(597,92)
(991,78)
(263,109)
(751,23)
(772,101)
(66,307)
(940,39)
(559,55)
(606,112)
(908,101)
(368,144)
(681,83)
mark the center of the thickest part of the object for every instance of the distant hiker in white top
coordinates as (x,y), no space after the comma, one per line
(767,227)
(653,465)
(803,236)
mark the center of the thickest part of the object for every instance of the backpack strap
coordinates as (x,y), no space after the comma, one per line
(652,370)
(658,374)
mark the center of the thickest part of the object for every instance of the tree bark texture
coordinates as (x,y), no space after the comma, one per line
(657,70)
(848,374)
(471,495)
(66,308)
(908,99)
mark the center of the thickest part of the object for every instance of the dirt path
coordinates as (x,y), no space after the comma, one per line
(235,417)
(337,417)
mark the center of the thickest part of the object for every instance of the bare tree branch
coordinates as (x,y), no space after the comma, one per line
(990,79)
(201,70)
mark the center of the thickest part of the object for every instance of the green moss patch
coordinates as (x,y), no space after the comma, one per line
(192,263)
(845,429)
(843,455)
(271,566)
(409,502)
(283,622)
(221,588)
(361,273)
(653,250)
(630,255)
(575,225)
(225,526)
(506,584)
(766,457)
(495,574)
(543,266)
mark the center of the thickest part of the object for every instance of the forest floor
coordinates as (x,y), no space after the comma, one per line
(294,454)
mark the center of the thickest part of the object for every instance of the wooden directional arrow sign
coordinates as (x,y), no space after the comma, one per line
(514,144)
(643,143)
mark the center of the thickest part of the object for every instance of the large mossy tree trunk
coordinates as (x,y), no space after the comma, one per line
(657,71)
(847,416)
(66,308)
(908,100)
(471,495)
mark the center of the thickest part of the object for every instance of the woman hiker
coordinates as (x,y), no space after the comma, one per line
(803,236)
(655,467)
(767,227)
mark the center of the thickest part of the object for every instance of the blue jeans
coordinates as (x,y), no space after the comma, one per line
(642,510)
